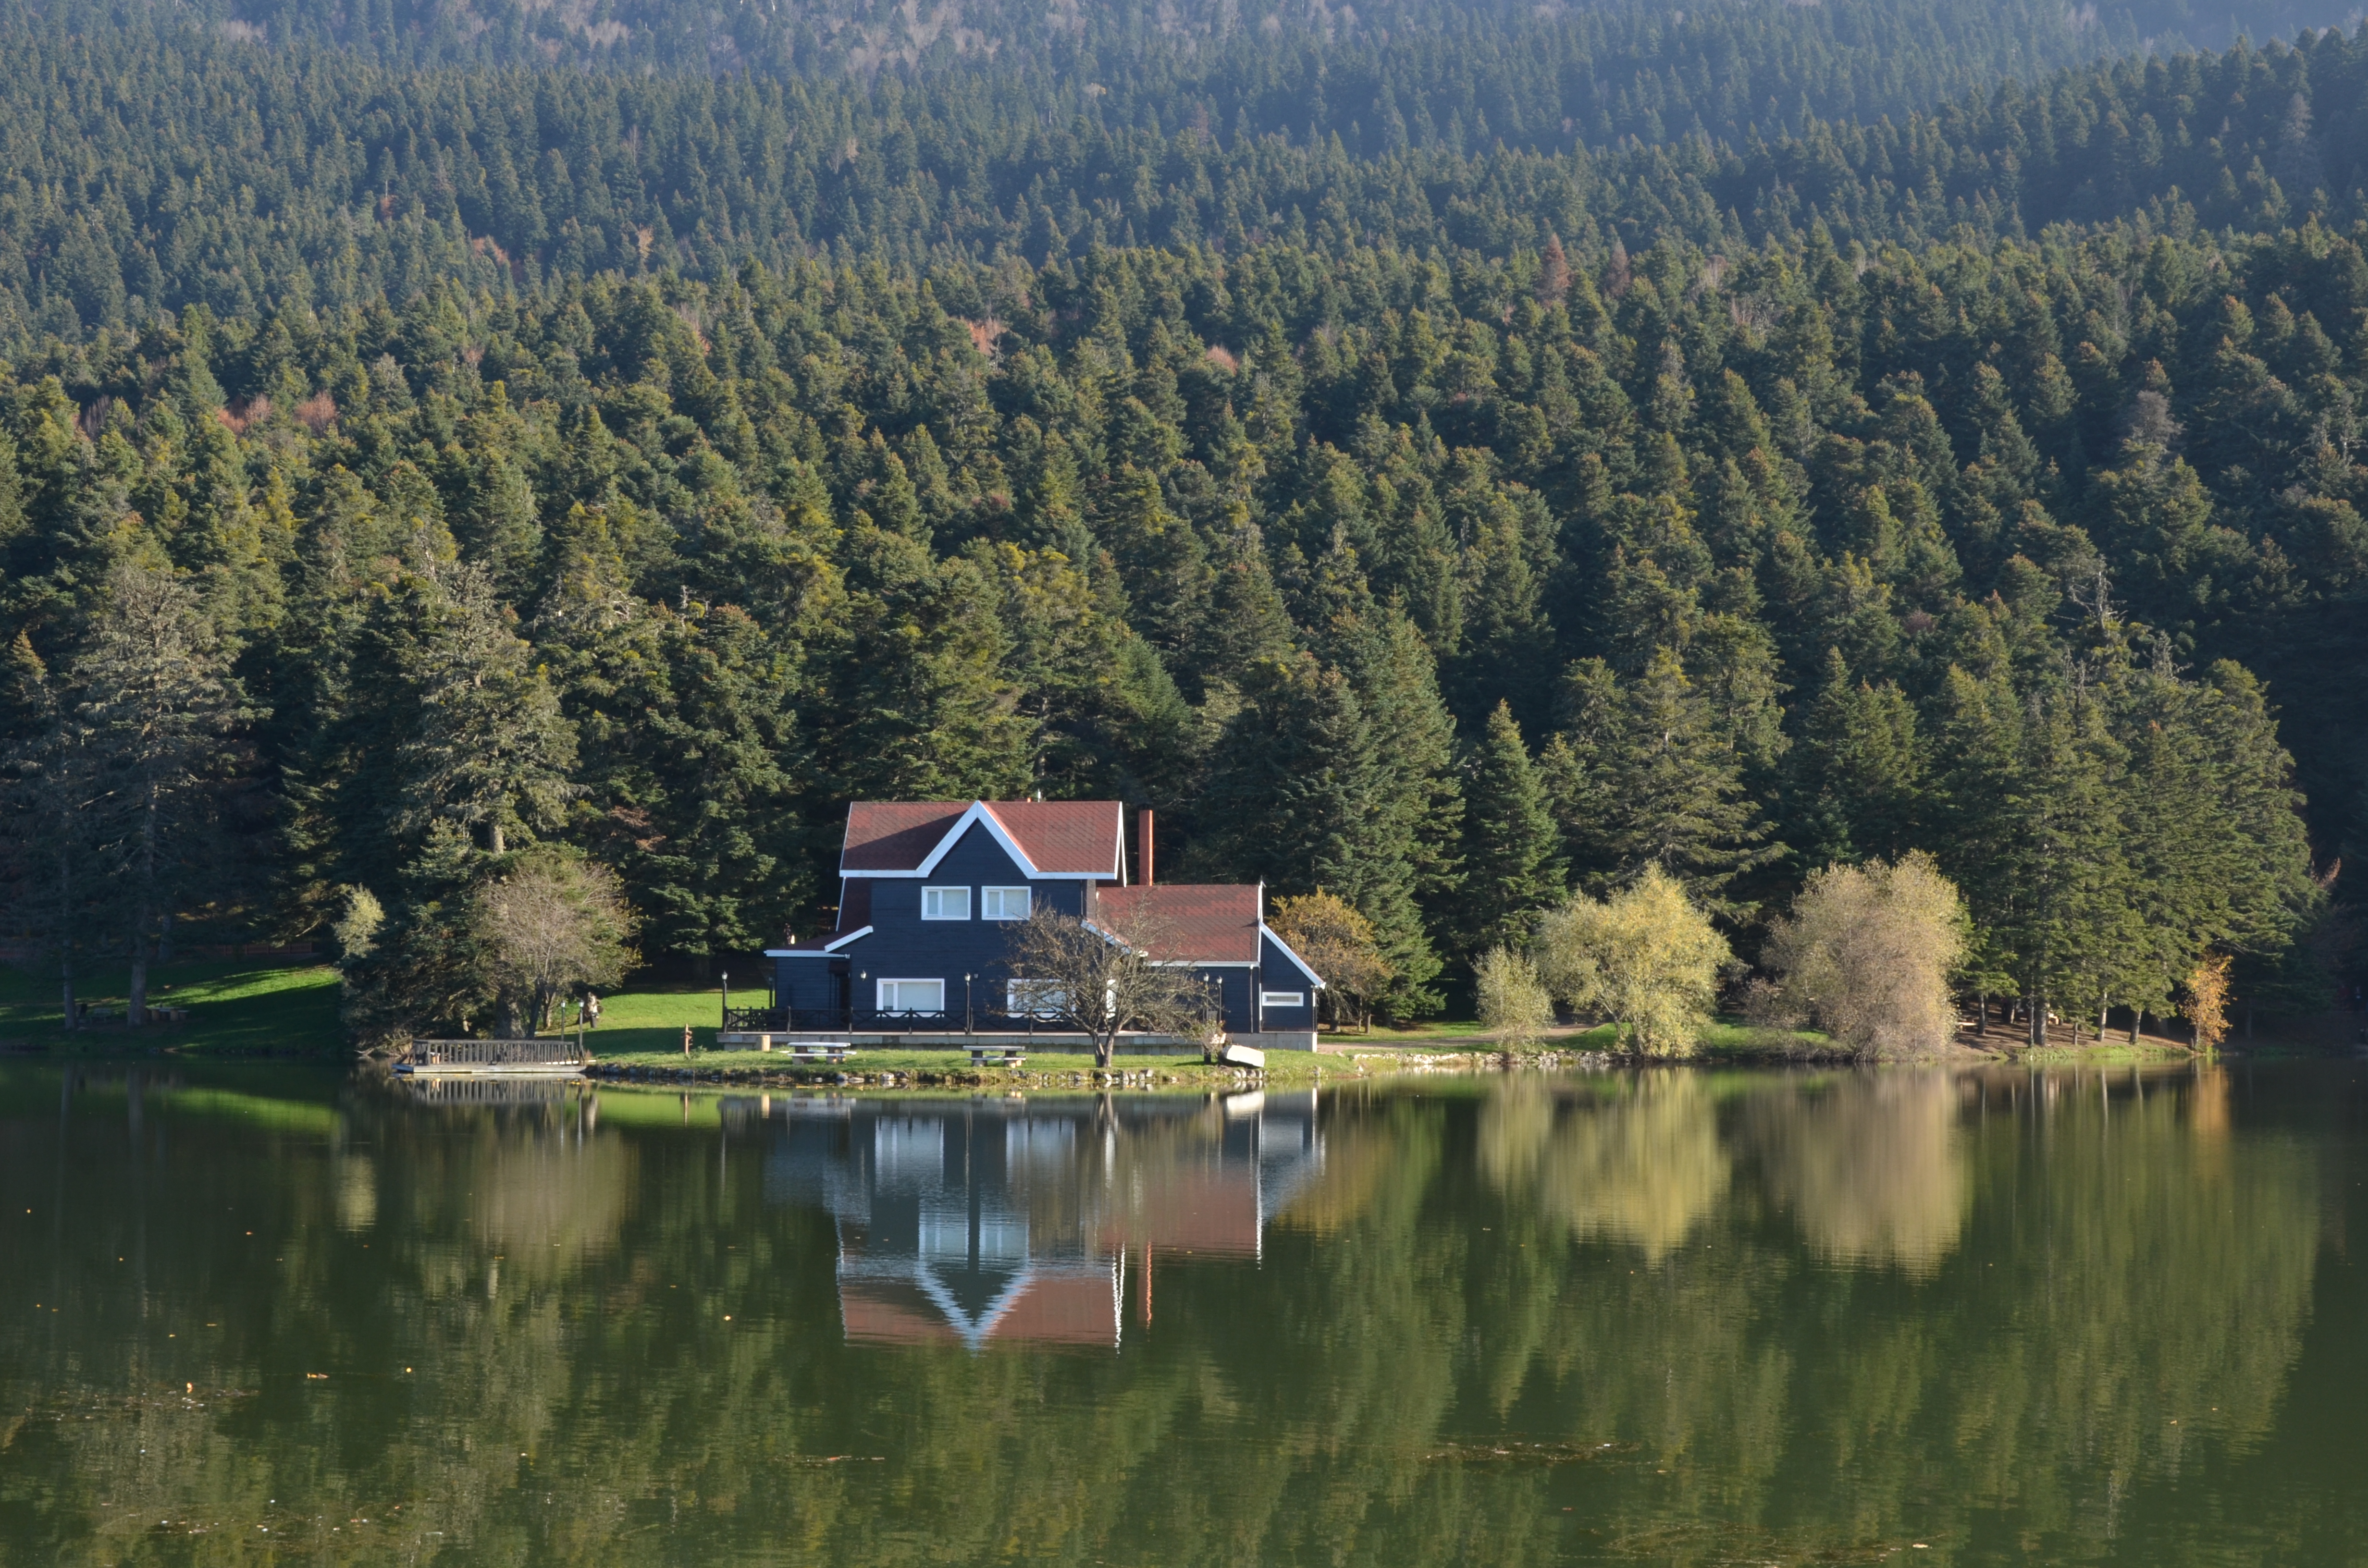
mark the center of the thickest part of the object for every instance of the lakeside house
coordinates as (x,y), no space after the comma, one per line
(928,891)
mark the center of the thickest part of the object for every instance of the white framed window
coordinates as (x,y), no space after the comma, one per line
(1283,998)
(945,904)
(1040,998)
(1004,904)
(912,995)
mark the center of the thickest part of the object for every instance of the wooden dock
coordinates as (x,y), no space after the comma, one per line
(556,1058)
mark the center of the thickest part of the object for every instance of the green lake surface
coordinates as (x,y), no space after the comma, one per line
(254,1315)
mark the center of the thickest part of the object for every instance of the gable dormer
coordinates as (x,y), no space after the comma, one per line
(1044,840)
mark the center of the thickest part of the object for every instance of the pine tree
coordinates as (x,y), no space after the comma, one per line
(917,703)
(157,708)
(1661,788)
(1295,798)
(490,753)
(2068,918)
(1857,771)
(1512,851)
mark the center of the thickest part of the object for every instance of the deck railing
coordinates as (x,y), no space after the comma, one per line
(872,1020)
(550,1052)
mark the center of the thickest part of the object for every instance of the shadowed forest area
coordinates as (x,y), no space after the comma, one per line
(1449,458)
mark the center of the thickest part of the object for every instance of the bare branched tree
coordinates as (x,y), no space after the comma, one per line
(1106,978)
(554,922)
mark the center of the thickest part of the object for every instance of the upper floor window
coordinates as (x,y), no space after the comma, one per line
(1283,998)
(1003,903)
(945,904)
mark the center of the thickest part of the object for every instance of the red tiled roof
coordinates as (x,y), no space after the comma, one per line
(1080,837)
(896,835)
(1198,1210)
(1064,835)
(892,1312)
(1206,923)
(1061,1310)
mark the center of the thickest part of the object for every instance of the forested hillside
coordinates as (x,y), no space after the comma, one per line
(412,470)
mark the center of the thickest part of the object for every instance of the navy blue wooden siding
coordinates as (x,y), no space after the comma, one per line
(902,946)
(1277,972)
(1232,984)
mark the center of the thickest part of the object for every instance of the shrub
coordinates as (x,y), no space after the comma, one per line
(1867,954)
(1514,1005)
(1646,958)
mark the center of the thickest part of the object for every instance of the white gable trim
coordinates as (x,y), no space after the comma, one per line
(1267,933)
(979,814)
(797,952)
(852,936)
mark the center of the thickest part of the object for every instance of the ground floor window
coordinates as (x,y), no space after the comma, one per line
(1040,998)
(912,995)
(1283,998)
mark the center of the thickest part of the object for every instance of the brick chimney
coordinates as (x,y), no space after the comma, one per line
(1142,844)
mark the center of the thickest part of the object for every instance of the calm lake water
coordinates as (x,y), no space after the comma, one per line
(1682,1317)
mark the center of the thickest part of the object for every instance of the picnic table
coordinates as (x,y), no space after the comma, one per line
(831,1051)
(999,1056)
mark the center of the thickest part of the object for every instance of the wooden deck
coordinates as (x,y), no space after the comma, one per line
(491,1058)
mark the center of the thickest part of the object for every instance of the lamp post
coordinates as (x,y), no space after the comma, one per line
(968,1028)
(727,999)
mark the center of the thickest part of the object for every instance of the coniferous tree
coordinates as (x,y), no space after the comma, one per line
(1296,794)
(155,709)
(1513,864)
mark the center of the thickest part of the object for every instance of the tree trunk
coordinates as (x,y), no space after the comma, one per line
(2036,1006)
(165,937)
(66,986)
(494,838)
(1105,1051)
(1981,1014)
(2137,1023)
(135,1011)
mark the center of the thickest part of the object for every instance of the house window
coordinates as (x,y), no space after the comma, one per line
(1003,903)
(912,995)
(1283,998)
(1035,998)
(945,904)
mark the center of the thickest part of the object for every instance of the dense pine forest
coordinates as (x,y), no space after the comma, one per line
(1444,457)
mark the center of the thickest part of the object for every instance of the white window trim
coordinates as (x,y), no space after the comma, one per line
(962,888)
(1283,998)
(879,993)
(1027,900)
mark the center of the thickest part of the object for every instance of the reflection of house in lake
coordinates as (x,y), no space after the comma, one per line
(1000,1221)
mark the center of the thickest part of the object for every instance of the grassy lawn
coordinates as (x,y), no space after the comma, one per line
(1727,1038)
(252,1008)
(235,1006)
(1281,1066)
